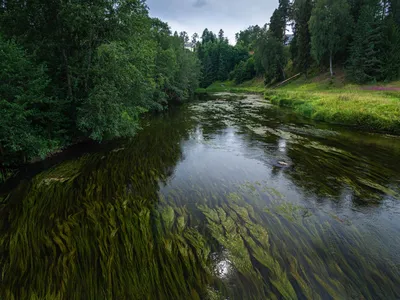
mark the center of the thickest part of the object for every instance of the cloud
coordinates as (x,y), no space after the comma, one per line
(200,3)
(196,15)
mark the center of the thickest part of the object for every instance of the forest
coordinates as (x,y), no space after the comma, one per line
(302,35)
(73,70)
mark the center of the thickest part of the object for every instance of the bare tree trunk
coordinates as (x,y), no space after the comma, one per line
(283,73)
(330,64)
(384,8)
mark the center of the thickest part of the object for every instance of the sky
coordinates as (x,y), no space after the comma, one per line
(195,15)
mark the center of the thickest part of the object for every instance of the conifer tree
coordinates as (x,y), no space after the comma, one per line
(365,62)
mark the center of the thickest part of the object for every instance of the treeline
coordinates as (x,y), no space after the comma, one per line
(71,70)
(218,58)
(361,35)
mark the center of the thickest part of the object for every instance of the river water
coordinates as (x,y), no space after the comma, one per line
(224,198)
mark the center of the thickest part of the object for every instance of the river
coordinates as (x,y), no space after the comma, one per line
(224,198)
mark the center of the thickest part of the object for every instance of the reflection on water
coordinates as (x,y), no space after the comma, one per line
(218,199)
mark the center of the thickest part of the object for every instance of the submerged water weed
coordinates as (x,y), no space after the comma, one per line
(167,217)
(297,256)
(100,250)
(88,229)
(292,212)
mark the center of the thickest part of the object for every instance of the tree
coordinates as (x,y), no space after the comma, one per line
(107,62)
(394,8)
(221,35)
(270,52)
(27,124)
(217,57)
(355,8)
(208,36)
(184,37)
(278,25)
(195,38)
(330,26)
(390,52)
(244,70)
(279,20)
(247,38)
(301,45)
(365,61)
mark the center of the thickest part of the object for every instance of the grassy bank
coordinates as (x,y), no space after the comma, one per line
(337,102)
(374,108)
(255,86)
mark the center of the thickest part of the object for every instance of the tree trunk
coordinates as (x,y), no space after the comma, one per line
(384,8)
(283,73)
(330,64)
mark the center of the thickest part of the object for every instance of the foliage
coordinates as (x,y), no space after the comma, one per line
(271,54)
(391,53)
(244,71)
(330,26)
(27,129)
(301,44)
(217,57)
(248,37)
(365,61)
(394,9)
(279,20)
(107,63)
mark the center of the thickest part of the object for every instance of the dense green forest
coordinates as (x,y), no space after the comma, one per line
(73,70)
(361,35)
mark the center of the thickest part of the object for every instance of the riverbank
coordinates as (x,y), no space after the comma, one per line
(375,108)
(255,86)
(372,108)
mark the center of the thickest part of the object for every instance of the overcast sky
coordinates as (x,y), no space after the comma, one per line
(195,15)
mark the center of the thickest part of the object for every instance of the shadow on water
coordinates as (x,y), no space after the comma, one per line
(229,198)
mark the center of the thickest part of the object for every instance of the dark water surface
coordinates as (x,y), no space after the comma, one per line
(218,199)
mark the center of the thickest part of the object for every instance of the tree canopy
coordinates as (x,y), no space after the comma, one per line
(362,35)
(85,70)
